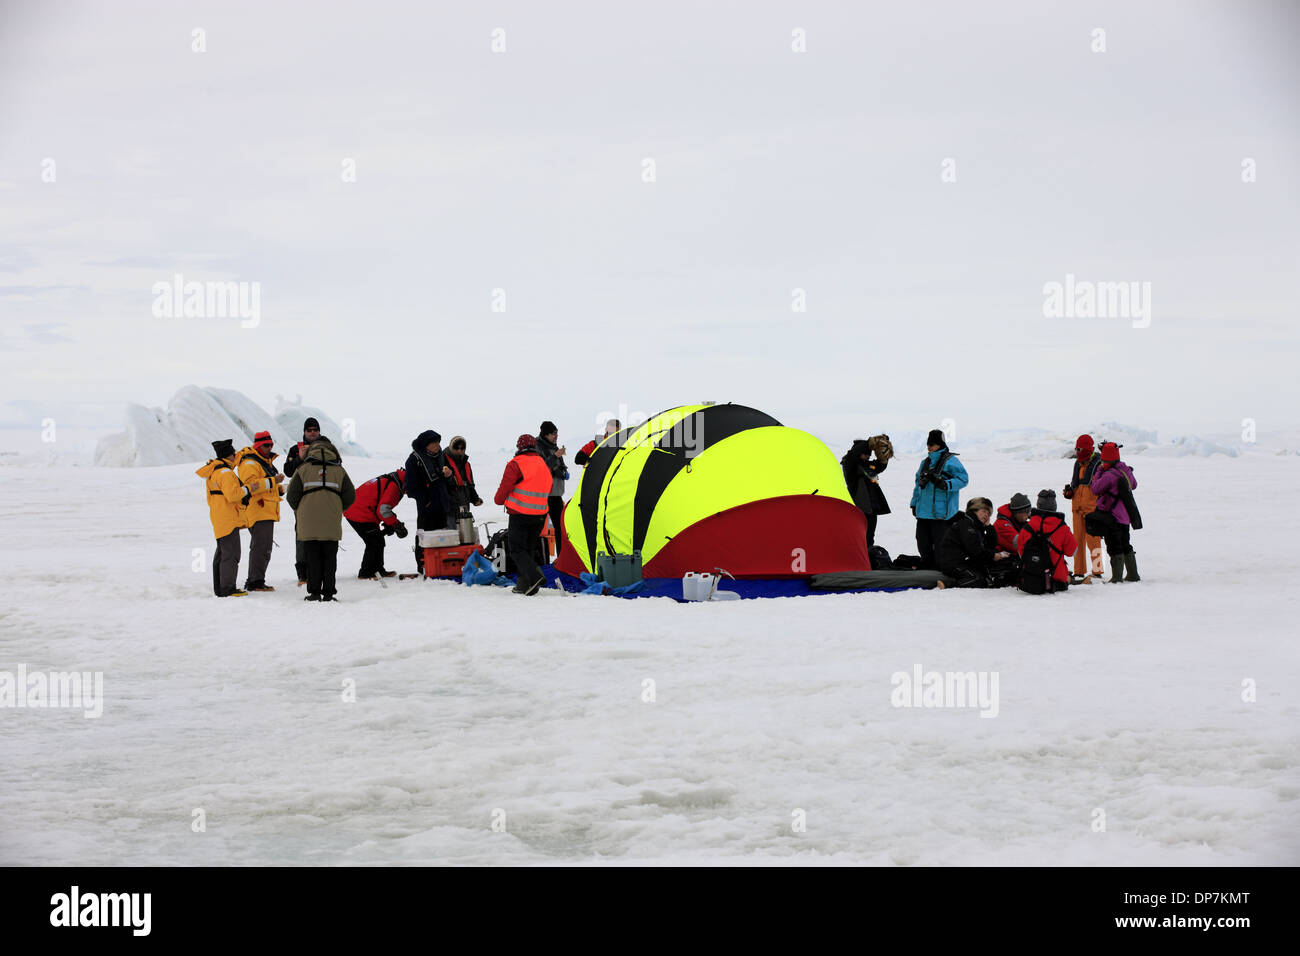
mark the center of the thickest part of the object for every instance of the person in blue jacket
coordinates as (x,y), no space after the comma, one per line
(934,498)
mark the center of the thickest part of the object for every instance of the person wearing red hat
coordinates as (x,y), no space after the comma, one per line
(1116,512)
(524,490)
(1083,503)
(265,487)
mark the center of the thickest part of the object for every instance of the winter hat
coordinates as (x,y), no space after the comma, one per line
(525,441)
(422,440)
(975,504)
(457,441)
(224,448)
(1046,500)
(311,423)
(547,428)
(262,438)
(1020,502)
(1083,446)
(1110,451)
(936,438)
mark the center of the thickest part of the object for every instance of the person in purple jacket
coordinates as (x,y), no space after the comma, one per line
(1113,484)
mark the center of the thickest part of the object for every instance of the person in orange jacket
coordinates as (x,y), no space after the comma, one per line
(226,511)
(1083,503)
(258,473)
(1046,522)
(524,490)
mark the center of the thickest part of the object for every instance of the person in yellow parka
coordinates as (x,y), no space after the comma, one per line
(257,472)
(226,509)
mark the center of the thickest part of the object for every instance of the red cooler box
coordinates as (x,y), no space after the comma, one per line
(446,562)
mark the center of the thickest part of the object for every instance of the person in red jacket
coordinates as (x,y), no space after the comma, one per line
(372,517)
(1011,518)
(584,453)
(1051,523)
(524,490)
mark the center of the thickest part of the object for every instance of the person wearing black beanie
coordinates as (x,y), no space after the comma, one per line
(297,453)
(225,497)
(426,485)
(553,454)
(934,496)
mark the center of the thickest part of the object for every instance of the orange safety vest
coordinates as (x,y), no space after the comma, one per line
(529,496)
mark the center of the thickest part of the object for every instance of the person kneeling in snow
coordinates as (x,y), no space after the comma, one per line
(1011,518)
(1044,544)
(969,551)
(372,517)
(319,493)
(1113,484)
(524,490)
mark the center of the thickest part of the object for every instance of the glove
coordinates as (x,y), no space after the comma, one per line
(280,488)
(913,511)
(923,480)
(1067,492)
(566,474)
(389,529)
(941,484)
(400,530)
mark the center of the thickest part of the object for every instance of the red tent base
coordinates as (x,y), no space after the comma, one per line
(788,537)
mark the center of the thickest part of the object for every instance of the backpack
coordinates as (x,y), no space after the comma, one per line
(879,558)
(1036,561)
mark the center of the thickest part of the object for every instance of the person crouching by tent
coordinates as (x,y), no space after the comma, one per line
(969,551)
(319,493)
(553,455)
(373,518)
(1043,545)
(310,435)
(257,472)
(524,490)
(1116,512)
(226,512)
(426,474)
(1011,518)
(460,484)
(584,453)
(1083,502)
(860,474)
(934,497)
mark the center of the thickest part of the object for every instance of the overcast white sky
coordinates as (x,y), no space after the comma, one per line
(775,170)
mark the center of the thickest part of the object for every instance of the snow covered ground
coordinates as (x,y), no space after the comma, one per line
(474,705)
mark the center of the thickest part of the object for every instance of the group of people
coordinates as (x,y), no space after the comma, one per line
(1020,543)
(245,487)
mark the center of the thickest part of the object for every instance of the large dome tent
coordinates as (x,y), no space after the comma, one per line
(699,487)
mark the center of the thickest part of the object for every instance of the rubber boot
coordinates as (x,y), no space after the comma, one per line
(1131,566)
(1116,568)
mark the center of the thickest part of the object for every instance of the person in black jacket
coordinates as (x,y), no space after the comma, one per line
(968,550)
(426,474)
(310,434)
(460,485)
(553,454)
(860,474)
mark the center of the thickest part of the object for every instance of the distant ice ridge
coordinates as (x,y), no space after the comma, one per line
(195,417)
(1036,444)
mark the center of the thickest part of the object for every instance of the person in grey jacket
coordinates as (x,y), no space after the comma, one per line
(553,455)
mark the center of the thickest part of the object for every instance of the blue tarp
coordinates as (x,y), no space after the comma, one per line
(746,588)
